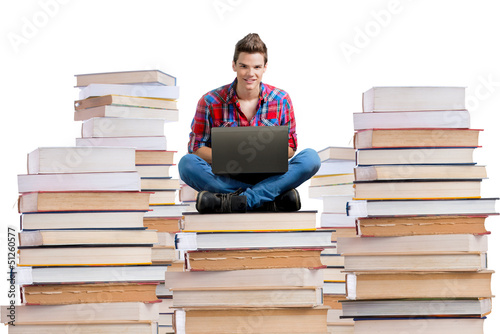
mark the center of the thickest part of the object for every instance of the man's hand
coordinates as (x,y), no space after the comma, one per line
(291,152)
(205,153)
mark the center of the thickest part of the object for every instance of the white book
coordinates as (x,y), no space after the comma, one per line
(414,244)
(81,220)
(432,326)
(122,127)
(163,92)
(414,98)
(167,115)
(139,77)
(108,328)
(336,167)
(119,181)
(229,240)
(452,119)
(329,219)
(137,143)
(250,277)
(381,208)
(249,297)
(81,160)
(80,313)
(415,156)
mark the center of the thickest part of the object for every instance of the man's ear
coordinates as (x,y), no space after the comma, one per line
(265,68)
(234,66)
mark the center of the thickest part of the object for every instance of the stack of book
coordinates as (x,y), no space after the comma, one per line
(420,258)
(84,253)
(333,185)
(254,272)
(129,109)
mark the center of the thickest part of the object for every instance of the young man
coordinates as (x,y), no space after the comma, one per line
(245,102)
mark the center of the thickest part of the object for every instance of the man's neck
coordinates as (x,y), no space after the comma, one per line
(247,95)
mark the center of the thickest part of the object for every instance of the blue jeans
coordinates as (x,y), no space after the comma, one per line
(197,173)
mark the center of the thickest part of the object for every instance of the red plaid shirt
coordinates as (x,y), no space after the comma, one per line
(220,107)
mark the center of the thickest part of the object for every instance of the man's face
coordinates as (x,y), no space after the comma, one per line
(249,69)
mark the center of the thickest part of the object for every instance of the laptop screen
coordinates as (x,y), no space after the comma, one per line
(249,150)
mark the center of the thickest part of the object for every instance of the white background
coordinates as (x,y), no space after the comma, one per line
(44,43)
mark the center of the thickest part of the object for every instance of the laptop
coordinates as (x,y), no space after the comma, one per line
(243,152)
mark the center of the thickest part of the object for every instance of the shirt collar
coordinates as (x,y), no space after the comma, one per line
(232,97)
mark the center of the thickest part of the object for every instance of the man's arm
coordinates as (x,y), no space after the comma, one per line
(205,153)
(291,152)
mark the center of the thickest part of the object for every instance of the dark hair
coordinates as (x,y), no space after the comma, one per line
(251,43)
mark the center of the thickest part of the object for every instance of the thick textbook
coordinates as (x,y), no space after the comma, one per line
(422,207)
(81,160)
(253,240)
(108,328)
(87,237)
(271,320)
(429,172)
(471,261)
(432,325)
(413,98)
(158,157)
(401,285)
(377,138)
(122,127)
(415,156)
(168,115)
(297,277)
(452,119)
(84,256)
(84,201)
(76,313)
(139,143)
(162,92)
(230,259)
(447,243)
(59,294)
(417,189)
(128,101)
(400,226)
(91,274)
(478,307)
(244,297)
(331,154)
(82,220)
(250,221)
(144,77)
(110,181)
